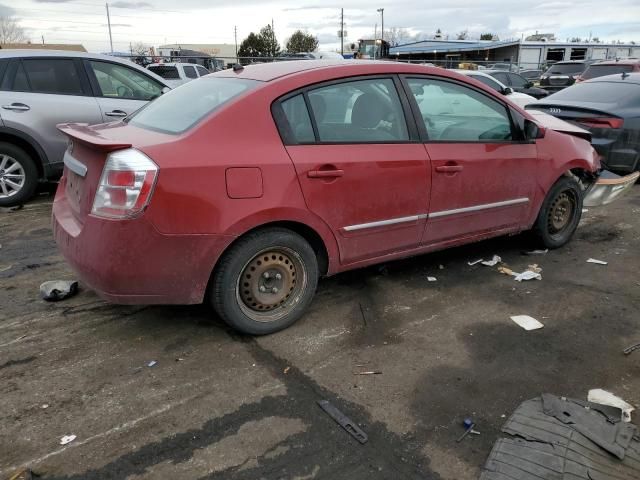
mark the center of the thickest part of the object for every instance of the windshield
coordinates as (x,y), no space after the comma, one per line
(180,109)
(617,93)
(165,71)
(601,70)
(565,68)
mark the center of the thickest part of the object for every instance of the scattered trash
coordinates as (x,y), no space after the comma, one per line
(603,397)
(13,209)
(67,439)
(22,474)
(432,279)
(468,428)
(585,210)
(179,359)
(354,430)
(534,268)
(151,363)
(440,267)
(56,290)
(45,405)
(536,252)
(493,262)
(286,370)
(527,275)
(370,372)
(475,262)
(598,262)
(527,322)
(631,348)
(507,271)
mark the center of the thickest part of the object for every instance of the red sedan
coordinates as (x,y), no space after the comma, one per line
(245,186)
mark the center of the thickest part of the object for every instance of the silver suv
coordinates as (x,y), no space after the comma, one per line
(42,88)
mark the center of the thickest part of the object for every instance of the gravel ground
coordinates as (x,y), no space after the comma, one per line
(220,405)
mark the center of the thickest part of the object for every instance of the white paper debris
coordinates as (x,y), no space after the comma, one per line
(537,252)
(151,363)
(527,322)
(598,262)
(493,262)
(597,395)
(475,262)
(431,279)
(527,275)
(67,439)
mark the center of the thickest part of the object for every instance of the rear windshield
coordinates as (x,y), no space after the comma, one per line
(617,93)
(165,71)
(565,68)
(601,70)
(180,109)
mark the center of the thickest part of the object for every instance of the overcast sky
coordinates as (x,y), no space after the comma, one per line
(212,21)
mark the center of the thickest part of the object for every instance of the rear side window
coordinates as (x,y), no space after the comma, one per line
(601,70)
(565,69)
(180,109)
(165,71)
(20,82)
(190,72)
(297,115)
(488,82)
(517,81)
(202,71)
(501,77)
(51,75)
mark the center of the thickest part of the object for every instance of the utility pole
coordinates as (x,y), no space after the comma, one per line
(235,36)
(43,39)
(381,11)
(273,45)
(109,24)
(375,36)
(342,31)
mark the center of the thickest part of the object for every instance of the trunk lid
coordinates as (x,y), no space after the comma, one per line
(546,120)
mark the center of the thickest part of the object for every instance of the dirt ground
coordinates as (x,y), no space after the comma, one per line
(221,406)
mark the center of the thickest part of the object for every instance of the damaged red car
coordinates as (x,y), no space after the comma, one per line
(242,188)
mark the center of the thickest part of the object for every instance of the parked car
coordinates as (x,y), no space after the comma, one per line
(176,74)
(609,67)
(521,99)
(39,89)
(609,107)
(343,167)
(563,74)
(532,75)
(518,83)
(509,67)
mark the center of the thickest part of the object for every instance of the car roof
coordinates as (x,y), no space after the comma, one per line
(489,71)
(569,62)
(623,61)
(266,72)
(483,74)
(617,78)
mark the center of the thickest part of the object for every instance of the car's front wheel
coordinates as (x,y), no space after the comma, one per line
(560,213)
(18,175)
(265,281)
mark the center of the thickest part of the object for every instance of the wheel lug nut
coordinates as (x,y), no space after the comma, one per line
(262,288)
(274,290)
(266,275)
(278,276)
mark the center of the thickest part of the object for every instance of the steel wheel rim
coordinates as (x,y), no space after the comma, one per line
(271,284)
(561,212)
(12,176)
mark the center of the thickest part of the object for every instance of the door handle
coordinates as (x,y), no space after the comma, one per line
(449,168)
(116,113)
(325,173)
(20,107)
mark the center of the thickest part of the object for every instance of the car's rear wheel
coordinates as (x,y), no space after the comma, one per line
(265,281)
(18,175)
(560,213)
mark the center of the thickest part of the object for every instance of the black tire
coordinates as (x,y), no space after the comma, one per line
(11,154)
(560,213)
(246,291)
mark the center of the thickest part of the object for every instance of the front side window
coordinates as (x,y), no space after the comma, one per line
(359,111)
(501,77)
(488,81)
(202,71)
(119,81)
(190,72)
(518,81)
(180,109)
(456,113)
(50,75)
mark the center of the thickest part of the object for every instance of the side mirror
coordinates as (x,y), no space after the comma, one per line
(507,91)
(165,90)
(532,130)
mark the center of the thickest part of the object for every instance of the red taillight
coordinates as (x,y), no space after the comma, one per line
(126,184)
(602,122)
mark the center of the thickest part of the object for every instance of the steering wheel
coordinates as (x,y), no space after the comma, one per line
(124,91)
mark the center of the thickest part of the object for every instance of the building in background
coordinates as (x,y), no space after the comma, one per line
(46,46)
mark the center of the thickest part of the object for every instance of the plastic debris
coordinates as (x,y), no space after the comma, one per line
(493,262)
(631,348)
(67,439)
(56,290)
(468,428)
(597,262)
(151,363)
(286,370)
(527,322)
(597,395)
(537,252)
(441,267)
(527,275)
(45,405)
(475,262)
(432,279)
(370,372)
(345,422)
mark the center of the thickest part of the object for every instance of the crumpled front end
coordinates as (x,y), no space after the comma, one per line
(608,188)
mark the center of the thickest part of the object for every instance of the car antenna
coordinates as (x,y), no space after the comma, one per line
(237,67)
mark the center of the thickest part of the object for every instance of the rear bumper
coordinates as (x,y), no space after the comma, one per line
(130,262)
(608,188)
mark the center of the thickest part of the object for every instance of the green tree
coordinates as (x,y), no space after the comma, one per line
(269,41)
(486,36)
(252,46)
(302,42)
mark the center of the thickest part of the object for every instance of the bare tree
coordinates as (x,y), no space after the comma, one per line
(398,35)
(463,35)
(11,31)
(139,48)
